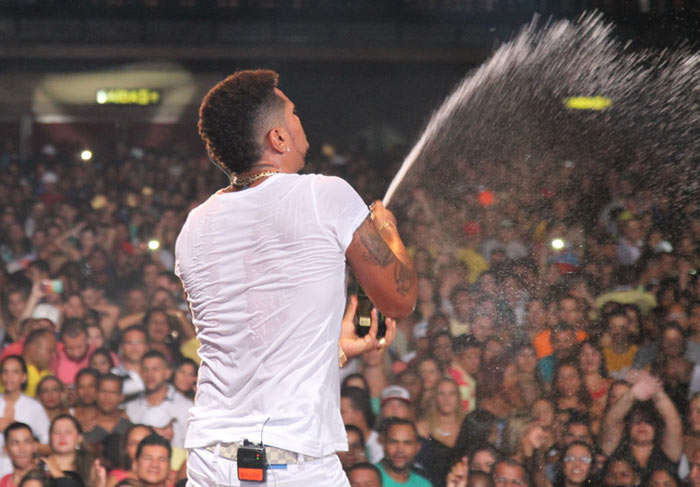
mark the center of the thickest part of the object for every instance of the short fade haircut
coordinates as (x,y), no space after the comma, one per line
(153,440)
(389,423)
(232,115)
(156,354)
(14,427)
(111,377)
(366,466)
(87,371)
(72,328)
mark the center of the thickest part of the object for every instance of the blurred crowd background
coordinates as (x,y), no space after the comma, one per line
(556,338)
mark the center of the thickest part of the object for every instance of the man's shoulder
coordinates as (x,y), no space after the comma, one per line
(178,398)
(417,480)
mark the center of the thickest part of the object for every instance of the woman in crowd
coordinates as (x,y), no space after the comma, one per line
(185,377)
(591,362)
(162,334)
(483,458)
(102,361)
(68,452)
(498,390)
(444,416)
(529,382)
(478,429)
(441,427)
(15,406)
(430,375)
(569,390)
(51,393)
(576,468)
(526,442)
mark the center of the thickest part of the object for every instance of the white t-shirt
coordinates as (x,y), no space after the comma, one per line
(28,411)
(264,271)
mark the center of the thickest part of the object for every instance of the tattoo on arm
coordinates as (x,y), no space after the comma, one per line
(403,277)
(376,250)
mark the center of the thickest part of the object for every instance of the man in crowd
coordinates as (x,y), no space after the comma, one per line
(39,352)
(396,403)
(152,462)
(564,345)
(160,399)
(619,355)
(364,475)
(694,477)
(110,417)
(73,352)
(510,473)
(85,397)
(263,264)
(132,347)
(400,441)
(20,446)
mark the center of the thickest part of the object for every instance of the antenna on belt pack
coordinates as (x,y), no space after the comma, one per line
(251,459)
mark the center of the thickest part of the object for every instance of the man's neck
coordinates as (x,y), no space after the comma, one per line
(107,420)
(157,396)
(132,366)
(620,347)
(17,475)
(400,476)
(147,484)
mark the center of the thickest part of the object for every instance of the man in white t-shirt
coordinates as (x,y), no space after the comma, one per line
(263,265)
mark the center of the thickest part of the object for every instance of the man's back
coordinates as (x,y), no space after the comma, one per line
(264,273)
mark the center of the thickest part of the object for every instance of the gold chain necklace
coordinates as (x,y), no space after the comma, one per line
(243,183)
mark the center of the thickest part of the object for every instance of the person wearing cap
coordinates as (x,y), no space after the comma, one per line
(396,403)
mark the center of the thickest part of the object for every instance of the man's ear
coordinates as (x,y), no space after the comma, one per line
(277,140)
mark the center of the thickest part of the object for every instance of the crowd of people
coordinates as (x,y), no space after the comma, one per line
(555,342)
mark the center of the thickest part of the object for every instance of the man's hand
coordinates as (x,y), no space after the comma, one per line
(352,344)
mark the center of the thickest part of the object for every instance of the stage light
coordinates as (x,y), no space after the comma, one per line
(588,102)
(557,244)
(86,155)
(153,245)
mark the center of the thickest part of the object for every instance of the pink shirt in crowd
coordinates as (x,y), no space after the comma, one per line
(65,368)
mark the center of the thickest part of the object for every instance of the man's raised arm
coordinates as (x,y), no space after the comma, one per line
(382,265)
